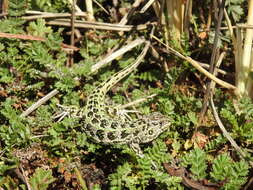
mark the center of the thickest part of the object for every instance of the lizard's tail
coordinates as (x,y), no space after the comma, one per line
(106,85)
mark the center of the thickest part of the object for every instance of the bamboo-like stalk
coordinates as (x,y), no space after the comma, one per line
(238,49)
(178,17)
(249,84)
(89,9)
(174,16)
(97,25)
(244,83)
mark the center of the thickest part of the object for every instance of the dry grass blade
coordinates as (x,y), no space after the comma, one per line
(98,25)
(39,103)
(126,17)
(52,15)
(135,102)
(146,6)
(212,85)
(116,54)
(99,4)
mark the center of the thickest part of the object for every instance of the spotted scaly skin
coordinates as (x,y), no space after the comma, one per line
(107,129)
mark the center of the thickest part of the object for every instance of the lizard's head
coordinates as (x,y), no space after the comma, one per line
(154,125)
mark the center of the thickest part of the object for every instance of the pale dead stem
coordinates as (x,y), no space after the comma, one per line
(126,17)
(37,14)
(116,54)
(98,25)
(39,103)
(212,85)
(146,6)
(70,61)
(35,38)
(89,10)
(81,23)
(25,177)
(99,4)
(121,107)
(245,26)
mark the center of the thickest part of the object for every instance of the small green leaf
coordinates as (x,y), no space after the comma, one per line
(193,118)
(41,179)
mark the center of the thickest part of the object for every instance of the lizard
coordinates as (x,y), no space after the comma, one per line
(107,129)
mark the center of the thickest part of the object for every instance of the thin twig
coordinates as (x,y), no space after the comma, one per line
(25,178)
(126,17)
(208,91)
(245,26)
(212,84)
(72,39)
(98,25)
(230,28)
(116,54)
(80,179)
(93,69)
(249,184)
(99,4)
(34,38)
(205,65)
(20,175)
(146,6)
(38,136)
(51,15)
(135,102)
(39,103)
(21,36)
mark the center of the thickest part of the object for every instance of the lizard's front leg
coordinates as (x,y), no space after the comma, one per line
(135,146)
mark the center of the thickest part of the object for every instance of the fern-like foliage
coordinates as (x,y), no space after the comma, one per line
(215,143)
(15,132)
(235,8)
(123,178)
(14,23)
(148,170)
(224,169)
(196,159)
(41,179)
(17,7)
(50,5)
(241,121)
